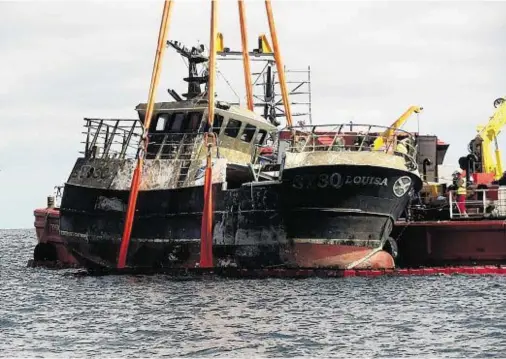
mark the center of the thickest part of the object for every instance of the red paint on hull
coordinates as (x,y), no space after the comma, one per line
(50,247)
(340,256)
(451,242)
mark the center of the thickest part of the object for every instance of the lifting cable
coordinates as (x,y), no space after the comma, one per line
(245,55)
(206,231)
(136,179)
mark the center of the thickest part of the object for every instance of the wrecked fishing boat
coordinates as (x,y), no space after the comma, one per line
(320,198)
(344,197)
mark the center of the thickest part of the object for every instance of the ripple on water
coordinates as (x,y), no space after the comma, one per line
(50,314)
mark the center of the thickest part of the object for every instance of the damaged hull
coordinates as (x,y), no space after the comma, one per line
(166,231)
(313,217)
(342,215)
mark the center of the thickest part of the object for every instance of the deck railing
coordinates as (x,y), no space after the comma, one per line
(352,137)
(111,138)
(174,146)
(481,203)
(119,139)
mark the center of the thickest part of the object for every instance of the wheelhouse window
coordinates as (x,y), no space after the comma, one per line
(248,133)
(177,122)
(260,137)
(193,121)
(161,121)
(218,121)
(233,127)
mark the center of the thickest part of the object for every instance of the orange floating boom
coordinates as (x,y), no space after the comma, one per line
(279,62)
(206,232)
(245,55)
(136,179)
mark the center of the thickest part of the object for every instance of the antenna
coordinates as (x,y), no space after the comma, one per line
(195,56)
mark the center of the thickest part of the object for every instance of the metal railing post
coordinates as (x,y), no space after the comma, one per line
(450,198)
(484,200)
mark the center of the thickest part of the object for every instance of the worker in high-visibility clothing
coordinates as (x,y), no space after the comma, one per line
(461,193)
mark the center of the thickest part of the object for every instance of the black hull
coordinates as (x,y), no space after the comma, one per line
(317,221)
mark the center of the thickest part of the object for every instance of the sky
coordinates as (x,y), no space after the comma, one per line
(63,61)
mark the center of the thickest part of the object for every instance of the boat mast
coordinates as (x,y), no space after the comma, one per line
(195,57)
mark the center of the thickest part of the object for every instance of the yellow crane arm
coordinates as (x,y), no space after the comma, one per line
(488,135)
(380,141)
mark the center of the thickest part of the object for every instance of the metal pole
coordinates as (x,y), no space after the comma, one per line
(309,88)
(450,199)
(279,62)
(245,55)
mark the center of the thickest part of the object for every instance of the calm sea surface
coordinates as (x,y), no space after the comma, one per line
(49,313)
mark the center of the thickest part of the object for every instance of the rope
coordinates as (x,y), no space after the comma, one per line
(230,86)
(402,231)
(362,260)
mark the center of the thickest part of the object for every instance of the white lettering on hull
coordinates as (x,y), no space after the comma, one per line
(366,180)
(336,180)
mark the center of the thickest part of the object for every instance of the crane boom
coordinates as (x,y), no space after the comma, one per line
(488,134)
(381,139)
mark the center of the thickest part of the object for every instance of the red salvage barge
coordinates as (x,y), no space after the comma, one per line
(436,233)
(432,243)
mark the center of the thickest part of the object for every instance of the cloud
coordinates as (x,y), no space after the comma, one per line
(370,61)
